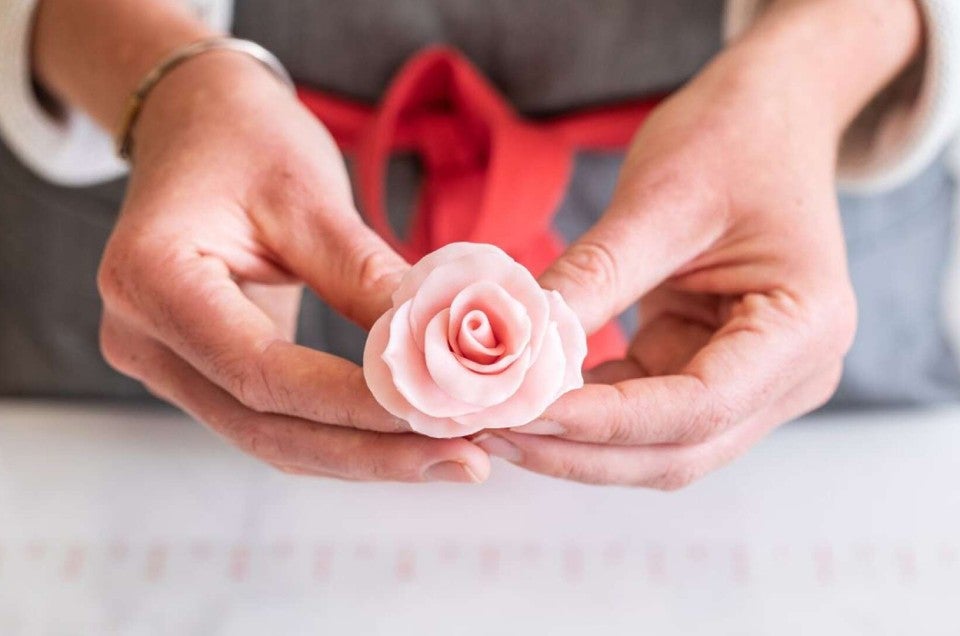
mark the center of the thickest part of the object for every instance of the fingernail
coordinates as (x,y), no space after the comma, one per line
(451,471)
(499,447)
(540,427)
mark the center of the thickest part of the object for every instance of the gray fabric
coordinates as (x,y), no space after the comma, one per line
(50,244)
(584,52)
(899,245)
(544,55)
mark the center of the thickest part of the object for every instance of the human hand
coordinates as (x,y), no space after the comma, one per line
(725,226)
(238,196)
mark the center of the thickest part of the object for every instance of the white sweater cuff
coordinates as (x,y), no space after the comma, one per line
(911,121)
(69,149)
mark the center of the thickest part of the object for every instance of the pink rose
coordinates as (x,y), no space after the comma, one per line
(472,342)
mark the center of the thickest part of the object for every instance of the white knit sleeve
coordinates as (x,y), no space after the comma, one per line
(910,122)
(68,149)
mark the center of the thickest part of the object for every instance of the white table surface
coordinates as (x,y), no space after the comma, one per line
(115,520)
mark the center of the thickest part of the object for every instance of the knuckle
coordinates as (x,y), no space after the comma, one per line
(591,263)
(288,469)
(374,268)
(257,441)
(128,268)
(251,384)
(620,428)
(110,349)
(677,475)
(832,317)
(347,413)
(375,469)
(844,323)
(573,470)
(245,385)
(155,389)
(829,384)
(109,282)
(113,275)
(363,461)
(714,416)
(617,431)
(119,356)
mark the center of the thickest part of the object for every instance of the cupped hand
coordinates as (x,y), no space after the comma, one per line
(724,225)
(237,197)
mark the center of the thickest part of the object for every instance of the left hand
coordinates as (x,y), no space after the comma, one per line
(725,226)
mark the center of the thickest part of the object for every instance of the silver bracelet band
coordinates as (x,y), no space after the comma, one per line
(124,140)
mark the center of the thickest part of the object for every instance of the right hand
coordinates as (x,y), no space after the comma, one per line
(237,196)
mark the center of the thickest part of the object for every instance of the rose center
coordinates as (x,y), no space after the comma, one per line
(477,340)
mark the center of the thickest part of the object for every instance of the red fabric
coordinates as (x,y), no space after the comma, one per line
(490,176)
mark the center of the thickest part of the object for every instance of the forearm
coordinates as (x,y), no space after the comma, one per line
(93,53)
(833,56)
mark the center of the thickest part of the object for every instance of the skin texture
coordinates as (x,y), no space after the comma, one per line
(237,198)
(724,225)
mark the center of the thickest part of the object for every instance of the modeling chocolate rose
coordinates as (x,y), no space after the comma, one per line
(472,342)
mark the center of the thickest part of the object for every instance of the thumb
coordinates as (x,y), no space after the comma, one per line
(349,266)
(646,235)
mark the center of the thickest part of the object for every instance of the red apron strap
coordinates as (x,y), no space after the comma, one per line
(474,149)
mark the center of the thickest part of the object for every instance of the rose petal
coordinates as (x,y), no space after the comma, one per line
(410,375)
(380,381)
(508,316)
(572,336)
(539,389)
(461,383)
(415,276)
(443,284)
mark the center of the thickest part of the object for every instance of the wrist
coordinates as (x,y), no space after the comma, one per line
(182,56)
(219,91)
(828,56)
(92,54)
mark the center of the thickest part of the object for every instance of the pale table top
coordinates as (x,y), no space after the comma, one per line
(121,520)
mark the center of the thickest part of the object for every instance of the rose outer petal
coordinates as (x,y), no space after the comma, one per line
(557,337)
(415,276)
(410,375)
(461,383)
(443,284)
(572,336)
(540,387)
(380,381)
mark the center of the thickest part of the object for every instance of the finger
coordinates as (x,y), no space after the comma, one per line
(665,467)
(189,302)
(281,303)
(746,365)
(290,469)
(707,309)
(666,344)
(294,443)
(661,347)
(613,371)
(670,334)
(347,264)
(652,228)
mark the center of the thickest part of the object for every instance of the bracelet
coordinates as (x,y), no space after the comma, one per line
(124,140)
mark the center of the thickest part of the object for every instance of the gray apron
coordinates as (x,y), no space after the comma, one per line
(585,52)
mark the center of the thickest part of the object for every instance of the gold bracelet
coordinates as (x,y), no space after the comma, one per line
(124,140)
